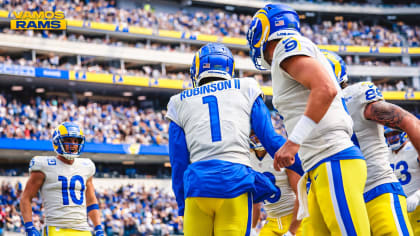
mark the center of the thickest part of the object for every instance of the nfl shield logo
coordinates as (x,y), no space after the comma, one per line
(206,65)
(279,23)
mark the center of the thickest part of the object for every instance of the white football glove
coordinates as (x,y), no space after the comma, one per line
(254,232)
(288,234)
(413,201)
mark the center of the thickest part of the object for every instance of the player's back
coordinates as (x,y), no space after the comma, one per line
(333,132)
(369,133)
(216,119)
(63,190)
(406,168)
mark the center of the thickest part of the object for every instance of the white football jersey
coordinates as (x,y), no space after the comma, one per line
(407,168)
(284,205)
(216,119)
(63,191)
(370,134)
(333,132)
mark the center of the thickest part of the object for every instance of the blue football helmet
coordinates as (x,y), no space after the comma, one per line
(338,65)
(394,138)
(274,21)
(255,143)
(68,130)
(212,60)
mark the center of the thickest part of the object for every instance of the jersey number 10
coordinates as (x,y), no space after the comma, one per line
(65,189)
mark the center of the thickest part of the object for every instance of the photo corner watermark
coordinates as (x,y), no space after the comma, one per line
(41,20)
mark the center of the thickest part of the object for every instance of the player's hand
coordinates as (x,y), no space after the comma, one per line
(254,232)
(413,201)
(285,156)
(30,229)
(99,231)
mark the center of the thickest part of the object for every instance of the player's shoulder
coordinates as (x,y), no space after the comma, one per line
(172,107)
(366,91)
(249,87)
(84,162)
(295,43)
(248,82)
(358,88)
(39,163)
(173,101)
(45,160)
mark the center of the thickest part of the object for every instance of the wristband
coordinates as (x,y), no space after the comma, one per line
(29,225)
(98,227)
(94,206)
(288,234)
(302,130)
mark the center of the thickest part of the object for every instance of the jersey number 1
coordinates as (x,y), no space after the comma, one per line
(65,189)
(216,134)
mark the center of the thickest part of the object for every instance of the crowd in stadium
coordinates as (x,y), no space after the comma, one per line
(221,23)
(102,123)
(128,210)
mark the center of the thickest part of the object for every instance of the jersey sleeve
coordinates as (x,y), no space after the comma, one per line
(251,90)
(179,157)
(368,92)
(263,128)
(92,170)
(365,93)
(172,113)
(293,46)
(36,164)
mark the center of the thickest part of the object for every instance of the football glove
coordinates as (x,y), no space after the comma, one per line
(30,229)
(99,231)
(413,201)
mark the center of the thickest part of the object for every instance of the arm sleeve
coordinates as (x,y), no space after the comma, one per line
(263,128)
(172,113)
(180,159)
(293,46)
(36,164)
(92,168)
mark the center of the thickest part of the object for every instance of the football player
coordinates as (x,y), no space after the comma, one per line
(65,182)
(383,193)
(209,152)
(307,95)
(281,208)
(405,162)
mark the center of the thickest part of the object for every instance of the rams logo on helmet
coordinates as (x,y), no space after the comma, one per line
(338,65)
(274,21)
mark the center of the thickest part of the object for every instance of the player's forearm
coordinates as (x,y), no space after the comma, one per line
(411,125)
(319,101)
(26,208)
(294,225)
(394,116)
(95,217)
(256,211)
